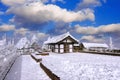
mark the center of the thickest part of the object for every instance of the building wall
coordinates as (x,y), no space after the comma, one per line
(96,49)
(64,46)
(99,49)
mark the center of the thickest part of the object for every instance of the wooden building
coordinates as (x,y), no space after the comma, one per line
(98,47)
(64,43)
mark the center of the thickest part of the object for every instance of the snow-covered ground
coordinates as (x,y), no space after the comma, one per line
(25,68)
(68,66)
(7,57)
(83,66)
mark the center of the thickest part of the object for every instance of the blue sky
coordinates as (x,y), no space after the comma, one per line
(87,20)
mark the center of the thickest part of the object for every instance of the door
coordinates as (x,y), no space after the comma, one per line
(66,48)
(61,48)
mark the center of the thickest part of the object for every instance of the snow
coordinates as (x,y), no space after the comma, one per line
(7,57)
(23,43)
(36,56)
(16,71)
(89,45)
(59,38)
(83,66)
(25,68)
(34,39)
(68,66)
(2,42)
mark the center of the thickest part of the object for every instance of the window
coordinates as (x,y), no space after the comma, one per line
(70,46)
(56,46)
(61,46)
(56,50)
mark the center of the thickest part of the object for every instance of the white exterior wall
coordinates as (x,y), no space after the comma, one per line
(70,48)
(99,49)
(56,50)
(56,46)
(61,48)
(68,40)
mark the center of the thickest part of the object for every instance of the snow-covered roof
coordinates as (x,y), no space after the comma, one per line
(59,38)
(89,45)
(23,43)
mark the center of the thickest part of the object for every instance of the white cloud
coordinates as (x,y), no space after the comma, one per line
(44,1)
(88,3)
(104,1)
(1,12)
(110,28)
(42,35)
(85,30)
(22,31)
(12,2)
(38,12)
(53,1)
(7,27)
(96,30)
(91,38)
